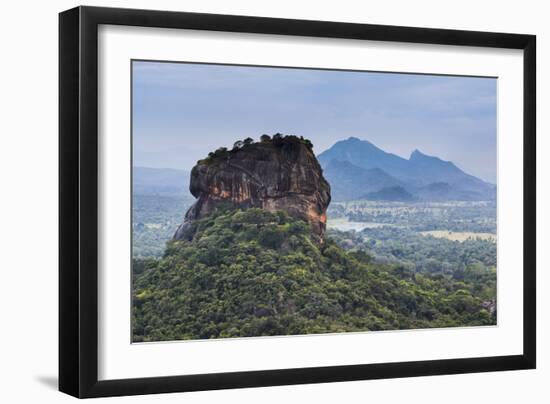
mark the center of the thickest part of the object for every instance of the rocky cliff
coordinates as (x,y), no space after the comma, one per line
(279,173)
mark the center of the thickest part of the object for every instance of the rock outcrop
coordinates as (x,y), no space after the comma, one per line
(274,174)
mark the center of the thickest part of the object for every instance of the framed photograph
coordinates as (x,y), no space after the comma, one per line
(251,201)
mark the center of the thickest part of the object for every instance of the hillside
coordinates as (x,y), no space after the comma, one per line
(160,197)
(398,194)
(364,154)
(257,273)
(349,182)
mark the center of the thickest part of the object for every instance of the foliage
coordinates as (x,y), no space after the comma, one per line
(418,252)
(154,220)
(277,139)
(256,273)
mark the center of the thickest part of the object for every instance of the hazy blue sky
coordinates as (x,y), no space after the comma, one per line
(183,111)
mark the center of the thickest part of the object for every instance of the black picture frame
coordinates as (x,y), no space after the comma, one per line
(78,201)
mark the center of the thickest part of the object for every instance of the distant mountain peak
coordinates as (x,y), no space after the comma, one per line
(414,173)
(364,142)
(353,141)
(395,193)
(417,154)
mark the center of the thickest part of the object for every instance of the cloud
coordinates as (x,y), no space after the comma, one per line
(182,111)
(219,77)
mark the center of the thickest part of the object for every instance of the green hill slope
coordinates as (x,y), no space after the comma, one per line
(256,273)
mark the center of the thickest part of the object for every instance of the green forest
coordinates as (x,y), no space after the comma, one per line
(256,273)
(421,253)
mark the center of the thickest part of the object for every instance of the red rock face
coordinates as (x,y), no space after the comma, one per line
(281,174)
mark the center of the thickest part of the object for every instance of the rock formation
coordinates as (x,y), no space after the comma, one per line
(274,174)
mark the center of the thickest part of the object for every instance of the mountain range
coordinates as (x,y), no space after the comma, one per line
(357,169)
